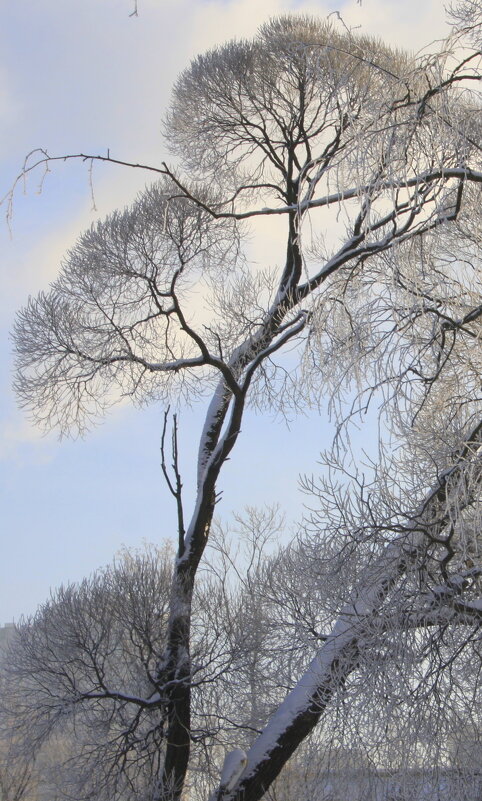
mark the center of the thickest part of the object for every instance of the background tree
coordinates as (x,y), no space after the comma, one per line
(17,777)
(81,676)
(298,121)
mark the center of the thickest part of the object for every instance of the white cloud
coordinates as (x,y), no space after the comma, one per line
(15,433)
(409,24)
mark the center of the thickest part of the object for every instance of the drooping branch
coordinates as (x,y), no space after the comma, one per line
(339,655)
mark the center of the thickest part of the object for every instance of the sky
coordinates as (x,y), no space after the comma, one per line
(87,77)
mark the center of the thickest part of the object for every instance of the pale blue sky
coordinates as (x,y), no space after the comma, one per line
(86,77)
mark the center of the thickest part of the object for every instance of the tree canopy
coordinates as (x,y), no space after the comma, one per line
(371,158)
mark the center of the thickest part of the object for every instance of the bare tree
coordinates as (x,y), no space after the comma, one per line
(17,777)
(80,677)
(298,122)
(18,780)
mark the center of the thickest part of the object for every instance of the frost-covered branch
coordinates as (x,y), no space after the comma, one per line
(371,160)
